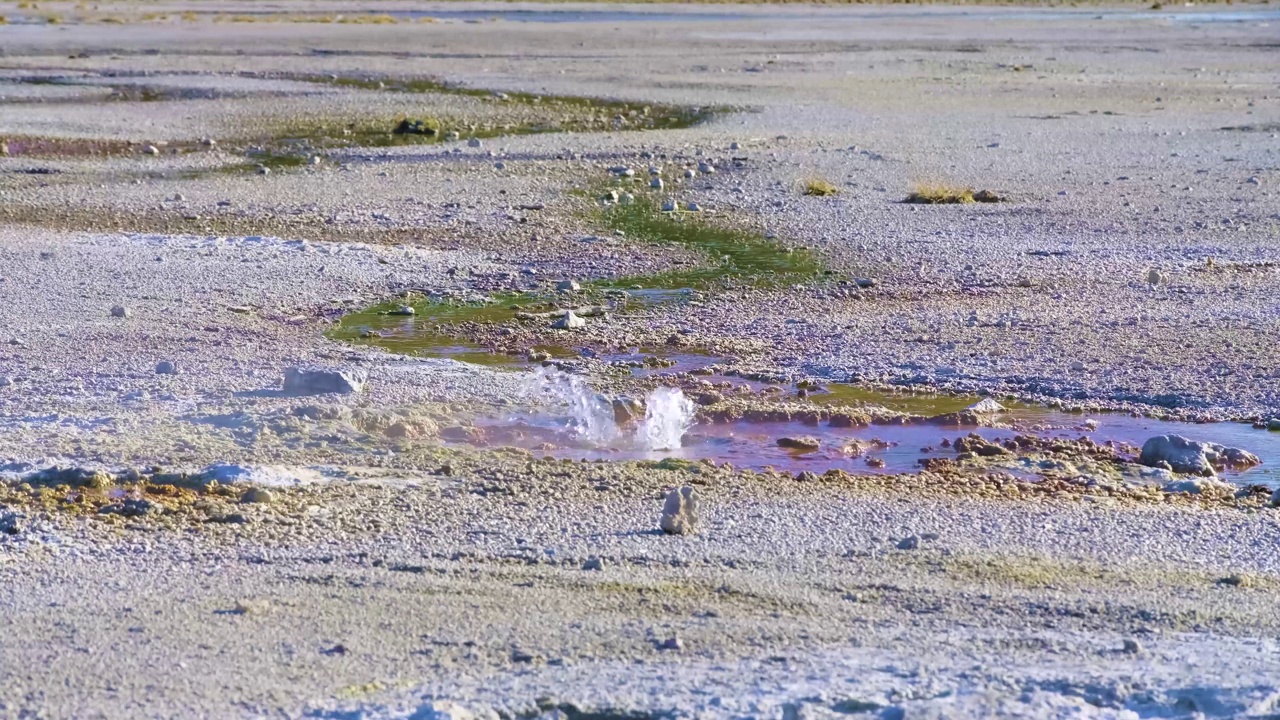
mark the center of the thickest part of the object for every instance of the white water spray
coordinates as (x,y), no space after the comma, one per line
(668,413)
(590,414)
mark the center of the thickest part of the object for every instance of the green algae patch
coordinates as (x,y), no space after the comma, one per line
(731,254)
(438,327)
(417,126)
(819,187)
(924,404)
(577,112)
(1039,572)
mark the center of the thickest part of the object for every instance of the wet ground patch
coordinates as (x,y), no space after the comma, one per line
(444,327)
(32,146)
(572,112)
(290,142)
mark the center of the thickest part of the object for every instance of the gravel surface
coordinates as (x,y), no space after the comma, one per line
(151,302)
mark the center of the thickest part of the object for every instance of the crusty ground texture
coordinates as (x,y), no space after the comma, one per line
(401,578)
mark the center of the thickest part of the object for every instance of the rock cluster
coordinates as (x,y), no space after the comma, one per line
(1180,455)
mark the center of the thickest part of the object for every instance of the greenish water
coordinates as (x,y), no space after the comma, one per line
(927,404)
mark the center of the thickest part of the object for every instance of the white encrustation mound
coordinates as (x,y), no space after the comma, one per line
(680,512)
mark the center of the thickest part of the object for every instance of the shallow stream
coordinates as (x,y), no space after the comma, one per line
(565,418)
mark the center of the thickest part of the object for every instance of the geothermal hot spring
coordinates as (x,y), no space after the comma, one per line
(561,415)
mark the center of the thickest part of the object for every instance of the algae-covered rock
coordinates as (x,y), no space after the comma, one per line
(418,126)
(803,442)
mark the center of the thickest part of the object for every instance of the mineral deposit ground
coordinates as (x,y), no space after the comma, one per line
(608,361)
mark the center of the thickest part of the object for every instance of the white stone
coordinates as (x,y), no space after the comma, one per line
(569,321)
(680,512)
(1196,486)
(443,710)
(302,381)
(1192,457)
(986,406)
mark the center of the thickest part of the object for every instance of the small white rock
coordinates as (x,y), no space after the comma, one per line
(680,512)
(986,406)
(569,321)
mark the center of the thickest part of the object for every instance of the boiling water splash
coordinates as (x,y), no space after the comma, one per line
(591,417)
(668,415)
(590,413)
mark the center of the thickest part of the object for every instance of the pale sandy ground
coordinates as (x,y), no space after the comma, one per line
(793,601)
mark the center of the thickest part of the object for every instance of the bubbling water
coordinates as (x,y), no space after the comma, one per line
(591,418)
(590,414)
(668,415)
